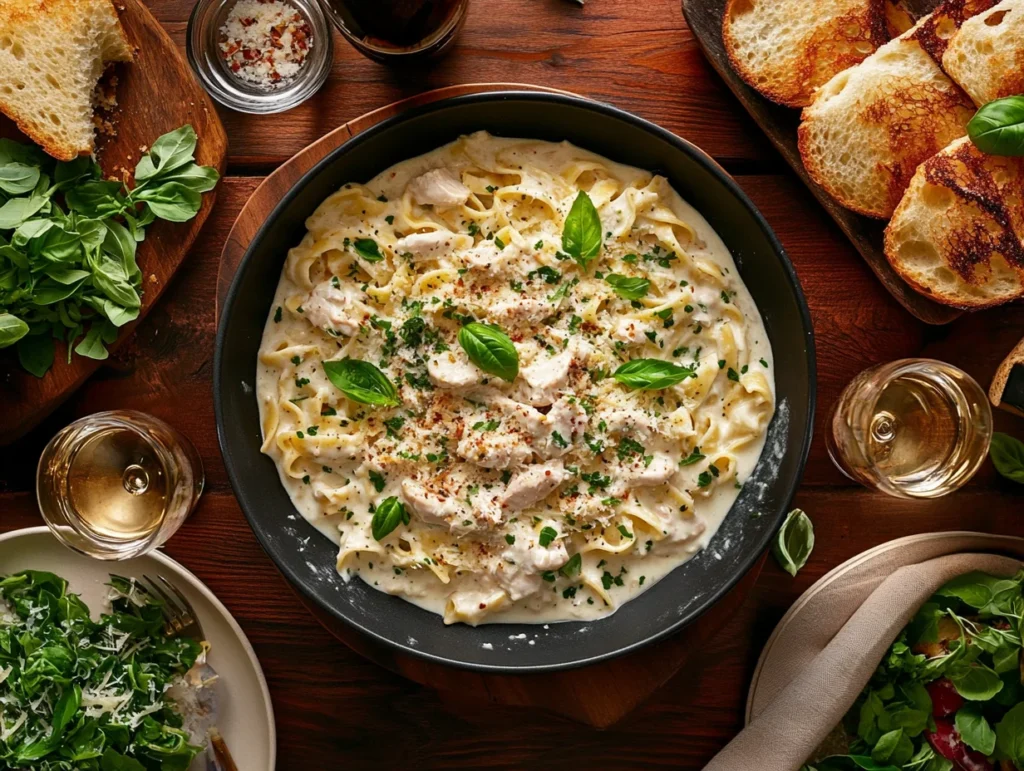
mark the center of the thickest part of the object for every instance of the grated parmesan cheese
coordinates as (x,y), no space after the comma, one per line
(265,42)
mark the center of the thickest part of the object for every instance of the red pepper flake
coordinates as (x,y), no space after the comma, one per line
(265,42)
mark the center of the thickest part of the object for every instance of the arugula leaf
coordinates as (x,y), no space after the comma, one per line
(1010,735)
(1008,456)
(490,349)
(652,374)
(362,382)
(795,542)
(581,233)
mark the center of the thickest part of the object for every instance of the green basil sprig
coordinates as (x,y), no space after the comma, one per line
(794,542)
(581,234)
(490,349)
(1008,456)
(68,270)
(998,127)
(652,374)
(362,382)
(627,287)
(390,514)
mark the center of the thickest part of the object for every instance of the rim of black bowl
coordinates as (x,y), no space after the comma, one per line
(697,154)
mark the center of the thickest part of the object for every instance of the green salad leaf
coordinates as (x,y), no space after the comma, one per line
(949,685)
(82,694)
(68,241)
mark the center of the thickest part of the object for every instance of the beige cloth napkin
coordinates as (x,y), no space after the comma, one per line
(824,650)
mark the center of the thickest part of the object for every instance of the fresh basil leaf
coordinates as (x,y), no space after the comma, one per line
(30,230)
(367,249)
(1008,456)
(362,382)
(975,730)
(17,210)
(50,292)
(92,344)
(581,234)
(572,568)
(16,152)
(390,514)
(120,245)
(17,178)
(35,353)
(652,374)
(197,178)
(70,172)
(61,245)
(490,349)
(170,151)
(109,277)
(172,201)
(99,198)
(998,127)
(115,314)
(12,329)
(629,288)
(795,542)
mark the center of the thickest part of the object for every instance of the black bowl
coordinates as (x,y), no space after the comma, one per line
(307,558)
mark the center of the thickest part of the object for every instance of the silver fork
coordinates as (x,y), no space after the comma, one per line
(181,620)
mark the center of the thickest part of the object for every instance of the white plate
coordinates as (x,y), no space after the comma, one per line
(246,715)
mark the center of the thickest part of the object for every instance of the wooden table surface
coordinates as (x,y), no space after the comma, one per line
(337,710)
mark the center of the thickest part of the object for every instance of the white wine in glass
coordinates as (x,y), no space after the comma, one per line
(116,485)
(913,428)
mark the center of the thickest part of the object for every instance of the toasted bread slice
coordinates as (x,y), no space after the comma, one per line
(871,126)
(986,55)
(788,48)
(52,53)
(957,234)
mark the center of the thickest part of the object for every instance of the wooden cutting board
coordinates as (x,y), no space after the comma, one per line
(780,123)
(600,694)
(156,93)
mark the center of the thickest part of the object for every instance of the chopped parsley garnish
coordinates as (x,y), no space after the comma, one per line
(278,314)
(624,532)
(485,426)
(378,481)
(510,539)
(733,375)
(695,456)
(558,439)
(394,425)
(571,569)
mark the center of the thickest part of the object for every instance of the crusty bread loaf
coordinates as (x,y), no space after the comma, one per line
(787,48)
(870,127)
(957,234)
(986,55)
(52,53)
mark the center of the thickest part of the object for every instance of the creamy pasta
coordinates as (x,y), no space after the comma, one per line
(550,490)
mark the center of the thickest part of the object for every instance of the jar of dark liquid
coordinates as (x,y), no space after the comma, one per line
(394,31)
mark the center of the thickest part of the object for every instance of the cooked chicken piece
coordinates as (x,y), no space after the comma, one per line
(549,373)
(333,309)
(631,331)
(439,187)
(494,449)
(520,568)
(487,256)
(533,484)
(433,507)
(432,244)
(521,310)
(657,472)
(562,423)
(451,370)
(628,421)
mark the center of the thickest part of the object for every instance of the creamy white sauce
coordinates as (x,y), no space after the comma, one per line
(518,192)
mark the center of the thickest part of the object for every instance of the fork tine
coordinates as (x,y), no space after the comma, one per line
(187,613)
(170,609)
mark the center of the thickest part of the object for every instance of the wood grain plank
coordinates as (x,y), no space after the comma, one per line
(157,94)
(636,55)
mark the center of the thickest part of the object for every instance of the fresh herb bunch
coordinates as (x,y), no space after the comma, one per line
(68,240)
(77,694)
(948,693)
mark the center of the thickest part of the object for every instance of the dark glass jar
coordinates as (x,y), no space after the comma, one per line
(396,31)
